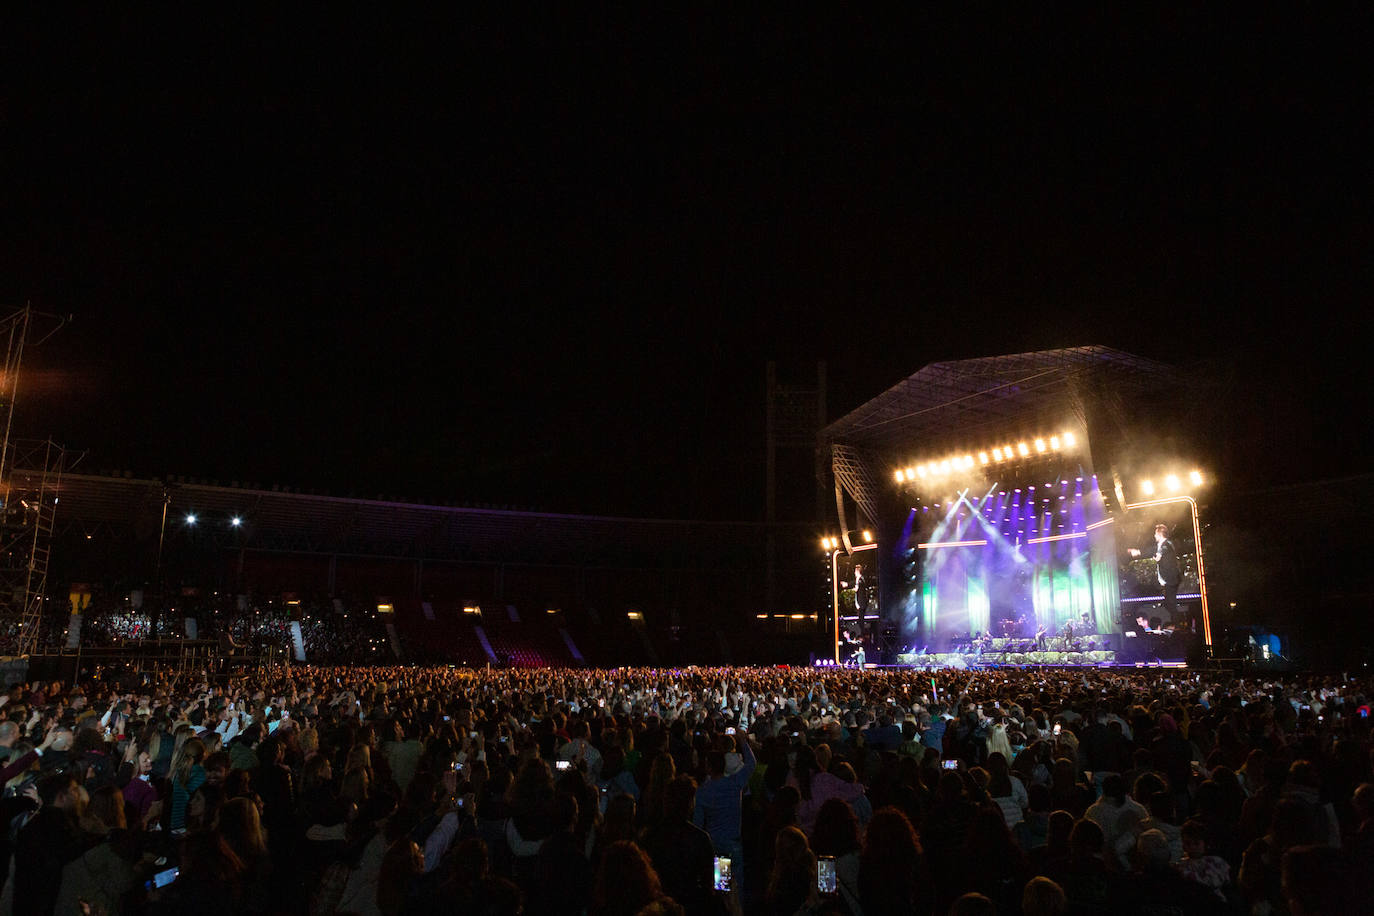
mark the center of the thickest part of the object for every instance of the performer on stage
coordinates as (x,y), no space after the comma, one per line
(852,651)
(1167,568)
(1040,634)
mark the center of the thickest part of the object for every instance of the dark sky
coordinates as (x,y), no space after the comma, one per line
(544,264)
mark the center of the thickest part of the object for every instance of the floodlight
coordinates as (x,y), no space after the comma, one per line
(997,454)
(901,476)
(1022,449)
(1039,445)
(1196,478)
(1054,443)
(236,521)
(1070,440)
(191,519)
(1171,482)
(868,536)
(920,470)
(982,457)
(1148,488)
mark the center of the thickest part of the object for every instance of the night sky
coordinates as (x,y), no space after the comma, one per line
(544,264)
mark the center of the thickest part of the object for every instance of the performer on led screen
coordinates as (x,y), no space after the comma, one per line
(1167,568)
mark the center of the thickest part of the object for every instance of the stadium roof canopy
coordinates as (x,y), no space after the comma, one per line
(299,522)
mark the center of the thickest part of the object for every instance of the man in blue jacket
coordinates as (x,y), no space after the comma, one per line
(719,802)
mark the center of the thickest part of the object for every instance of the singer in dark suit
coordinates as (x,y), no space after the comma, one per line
(1167,568)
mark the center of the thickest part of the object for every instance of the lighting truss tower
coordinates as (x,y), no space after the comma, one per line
(30,474)
(794,414)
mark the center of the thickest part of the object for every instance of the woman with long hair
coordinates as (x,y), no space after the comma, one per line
(892,867)
(1065,790)
(211,879)
(401,866)
(792,880)
(781,813)
(626,882)
(617,825)
(531,822)
(103,875)
(661,772)
(240,823)
(837,836)
(993,863)
(357,779)
(1006,790)
(186,776)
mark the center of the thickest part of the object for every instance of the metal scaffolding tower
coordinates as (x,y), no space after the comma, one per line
(30,475)
(30,511)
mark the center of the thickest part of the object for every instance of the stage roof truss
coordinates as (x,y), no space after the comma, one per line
(961,403)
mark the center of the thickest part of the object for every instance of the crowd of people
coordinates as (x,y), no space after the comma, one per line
(328,636)
(397,790)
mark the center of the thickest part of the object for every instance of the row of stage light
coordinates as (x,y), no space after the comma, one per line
(995,455)
(829,543)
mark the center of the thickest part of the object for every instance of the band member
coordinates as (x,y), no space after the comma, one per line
(853,650)
(1167,568)
(1040,637)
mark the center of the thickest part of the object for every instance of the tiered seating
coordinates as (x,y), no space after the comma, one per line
(525,645)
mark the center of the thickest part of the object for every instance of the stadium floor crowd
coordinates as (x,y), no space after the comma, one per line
(394,790)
